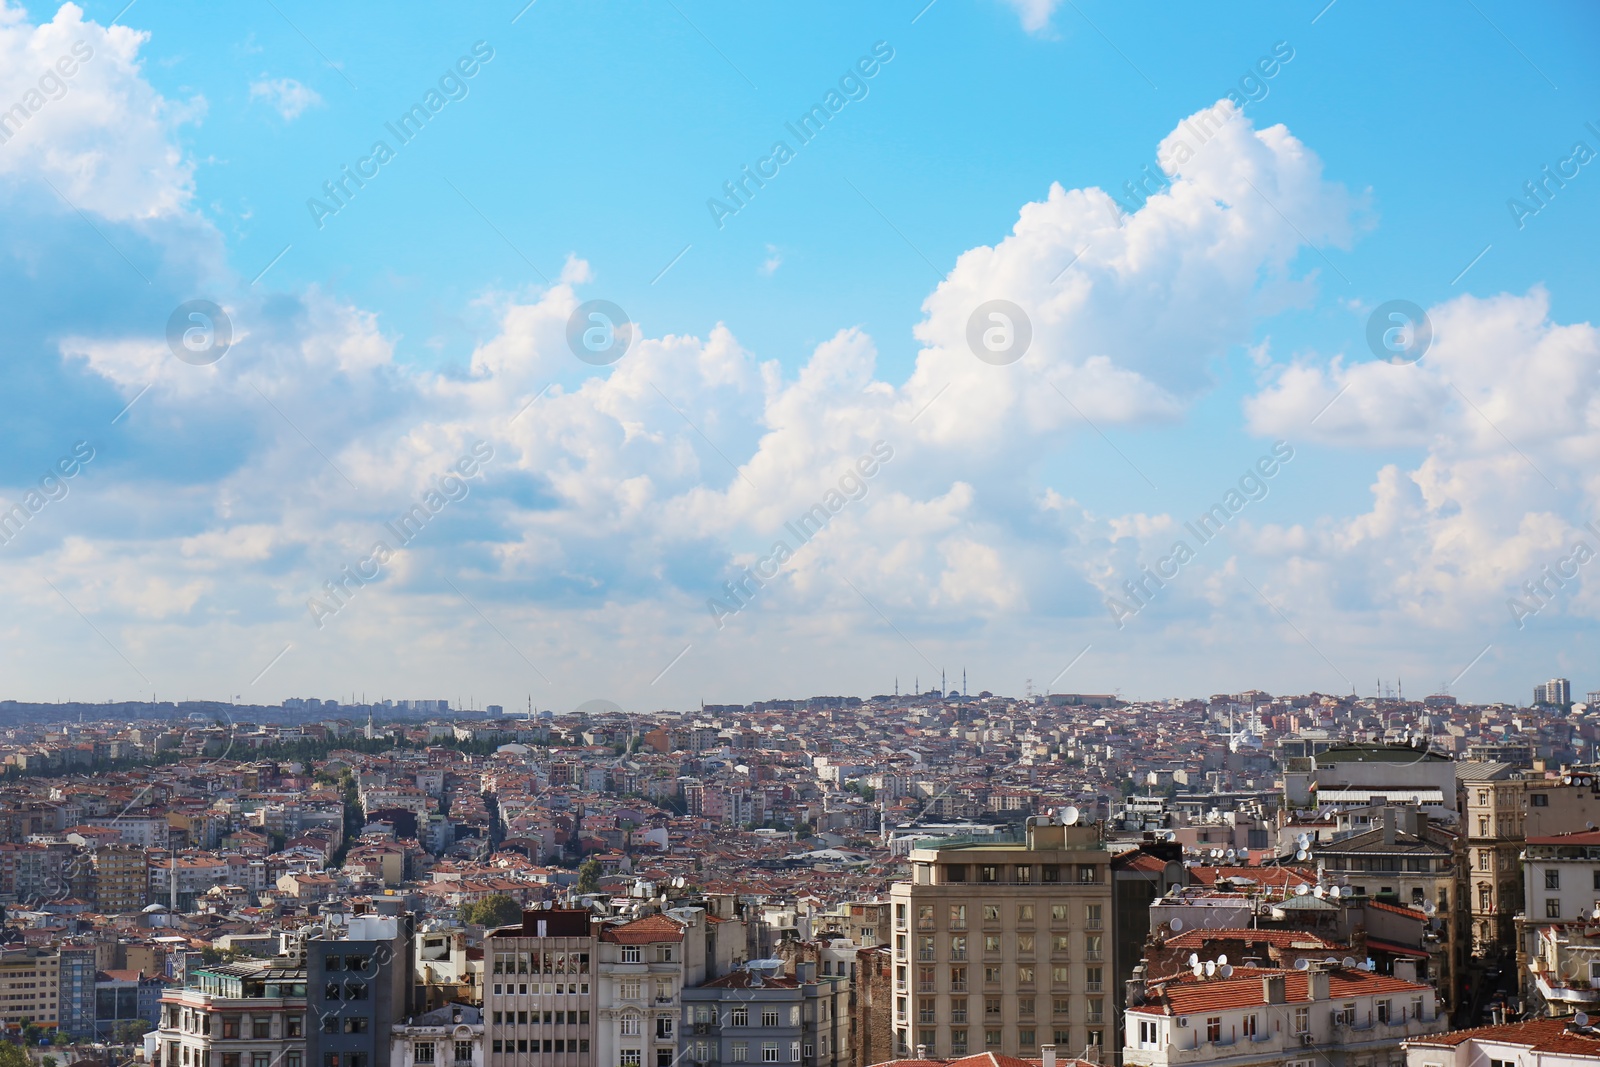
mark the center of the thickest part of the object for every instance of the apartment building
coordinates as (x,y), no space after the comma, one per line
(77,971)
(29,989)
(1560,1042)
(1493,808)
(1318,1017)
(1004,946)
(360,977)
(759,1014)
(249,1014)
(449,1036)
(1559,957)
(539,994)
(639,978)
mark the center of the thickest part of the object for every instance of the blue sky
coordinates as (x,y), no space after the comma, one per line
(1174,343)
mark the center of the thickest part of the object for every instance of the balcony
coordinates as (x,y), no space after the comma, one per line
(665,1000)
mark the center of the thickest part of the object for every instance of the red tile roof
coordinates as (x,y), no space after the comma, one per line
(1539,1035)
(1190,996)
(1277,938)
(646,931)
(984,1059)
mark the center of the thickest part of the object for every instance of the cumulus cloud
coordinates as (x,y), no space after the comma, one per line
(289,97)
(1035,14)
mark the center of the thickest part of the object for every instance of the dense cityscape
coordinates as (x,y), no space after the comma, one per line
(831,881)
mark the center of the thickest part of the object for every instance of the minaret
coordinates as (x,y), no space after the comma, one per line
(963,681)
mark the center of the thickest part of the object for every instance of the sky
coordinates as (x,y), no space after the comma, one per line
(669,352)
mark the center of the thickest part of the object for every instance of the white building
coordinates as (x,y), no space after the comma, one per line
(1535,1043)
(451,1036)
(1277,1018)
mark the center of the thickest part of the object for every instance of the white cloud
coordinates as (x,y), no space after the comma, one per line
(288,96)
(774,260)
(1035,14)
(75,110)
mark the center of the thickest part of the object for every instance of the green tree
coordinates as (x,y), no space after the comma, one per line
(589,876)
(496,909)
(13,1056)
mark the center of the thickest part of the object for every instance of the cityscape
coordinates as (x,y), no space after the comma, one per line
(924,533)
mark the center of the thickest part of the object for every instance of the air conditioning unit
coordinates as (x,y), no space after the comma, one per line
(1183,1020)
(702,1028)
(1307,1039)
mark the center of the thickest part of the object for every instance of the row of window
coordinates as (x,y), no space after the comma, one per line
(523,989)
(739,1052)
(549,1044)
(354,1024)
(1552,879)
(633,989)
(1060,945)
(1060,974)
(926,915)
(992,1039)
(993,1008)
(353,962)
(535,1018)
(1022,873)
(422,1052)
(542,962)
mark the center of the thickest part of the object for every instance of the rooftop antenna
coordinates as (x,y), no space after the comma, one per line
(963,681)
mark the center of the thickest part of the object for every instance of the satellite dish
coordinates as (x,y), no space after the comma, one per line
(1171,835)
(1301,890)
(1428,907)
(1331,962)
(1581,1019)
(1211,968)
(1177,924)
(1302,855)
(1317,892)
(1334,892)
(1230,853)
(1349,961)
(1301,964)
(1194,959)
(1222,960)
(1304,840)
(1070,816)
(1226,970)
(1198,970)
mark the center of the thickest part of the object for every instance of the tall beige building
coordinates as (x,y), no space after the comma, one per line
(1004,947)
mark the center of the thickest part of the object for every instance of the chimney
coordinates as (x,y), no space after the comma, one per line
(1405,970)
(1317,982)
(1388,826)
(922,1052)
(1272,989)
(1047,1055)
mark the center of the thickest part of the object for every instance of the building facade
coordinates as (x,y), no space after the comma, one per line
(1005,946)
(236,1015)
(360,978)
(539,991)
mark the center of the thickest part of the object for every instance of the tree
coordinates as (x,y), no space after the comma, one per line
(496,909)
(589,876)
(13,1056)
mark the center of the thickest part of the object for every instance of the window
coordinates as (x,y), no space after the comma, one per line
(1097,1010)
(955,872)
(355,991)
(1214,1028)
(260,1027)
(991,943)
(769,1052)
(330,1024)
(992,1038)
(355,1025)
(1024,874)
(740,1016)
(1483,826)
(794,1052)
(1483,859)
(422,1052)
(991,913)
(958,948)
(1088,873)
(1058,912)
(1024,976)
(1050,873)
(629,1057)
(630,1026)
(1060,944)
(1025,1038)
(1091,916)
(958,1010)
(1552,908)
(1091,947)
(294,1026)
(1147,1034)
(260,1059)
(741,1051)
(958,916)
(1091,979)
(1302,1020)
(333,963)
(1539,800)
(293,1058)
(988,873)
(925,948)
(1597,879)
(958,1042)
(991,1008)
(630,954)
(630,990)
(769,1017)
(1248,1027)
(1552,879)
(1024,913)
(1383,1011)
(991,976)
(924,916)
(925,979)
(926,1007)
(958,979)
(1025,1007)
(1024,944)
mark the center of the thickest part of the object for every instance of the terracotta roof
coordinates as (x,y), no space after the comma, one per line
(646,931)
(984,1059)
(740,979)
(1410,913)
(1217,994)
(1539,1035)
(1273,876)
(1276,938)
(1575,837)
